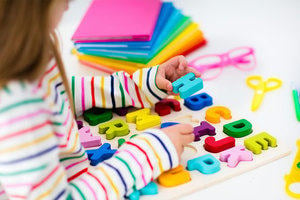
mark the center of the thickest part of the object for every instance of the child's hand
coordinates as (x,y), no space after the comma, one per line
(171,70)
(180,135)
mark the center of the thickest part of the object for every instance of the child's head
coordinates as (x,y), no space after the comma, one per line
(27,37)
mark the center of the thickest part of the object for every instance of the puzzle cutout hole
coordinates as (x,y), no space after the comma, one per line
(190,152)
(295,187)
(203,96)
(208,162)
(195,99)
(240,125)
(119,125)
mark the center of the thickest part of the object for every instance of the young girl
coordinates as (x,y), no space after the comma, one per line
(40,153)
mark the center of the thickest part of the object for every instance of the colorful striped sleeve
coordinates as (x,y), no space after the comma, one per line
(139,161)
(28,150)
(117,90)
(36,162)
(30,167)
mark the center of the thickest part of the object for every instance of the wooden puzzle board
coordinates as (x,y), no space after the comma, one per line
(200,181)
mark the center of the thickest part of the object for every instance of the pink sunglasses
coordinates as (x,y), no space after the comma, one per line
(211,66)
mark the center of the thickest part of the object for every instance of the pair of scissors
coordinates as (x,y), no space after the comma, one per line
(260,87)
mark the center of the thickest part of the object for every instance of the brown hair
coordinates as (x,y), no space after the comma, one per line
(26,44)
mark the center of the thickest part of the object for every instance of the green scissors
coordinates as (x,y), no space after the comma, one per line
(261,87)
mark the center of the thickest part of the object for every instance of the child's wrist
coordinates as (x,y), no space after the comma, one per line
(167,150)
(153,90)
(156,78)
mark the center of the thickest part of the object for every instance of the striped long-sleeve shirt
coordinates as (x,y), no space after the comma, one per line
(118,90)
(40,153)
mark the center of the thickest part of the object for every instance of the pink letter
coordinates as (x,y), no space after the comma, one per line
(234,155)
(87,139)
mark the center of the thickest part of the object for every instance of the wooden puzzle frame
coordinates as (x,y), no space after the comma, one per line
(200,181)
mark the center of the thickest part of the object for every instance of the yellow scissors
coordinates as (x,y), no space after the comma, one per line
(261,87)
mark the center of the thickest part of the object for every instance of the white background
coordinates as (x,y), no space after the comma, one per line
(272,27)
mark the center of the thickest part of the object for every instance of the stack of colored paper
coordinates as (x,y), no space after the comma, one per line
(128,35)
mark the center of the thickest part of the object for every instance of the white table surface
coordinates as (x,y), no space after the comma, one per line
(272,27)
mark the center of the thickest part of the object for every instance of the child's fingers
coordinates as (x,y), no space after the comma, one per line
(177,62)
(182,63)
(196,72)
(185,129)
(174,62)
(187,139)
(164,84)
(171,93)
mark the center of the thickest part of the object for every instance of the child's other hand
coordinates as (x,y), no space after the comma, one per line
(180,135)
(172,70)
